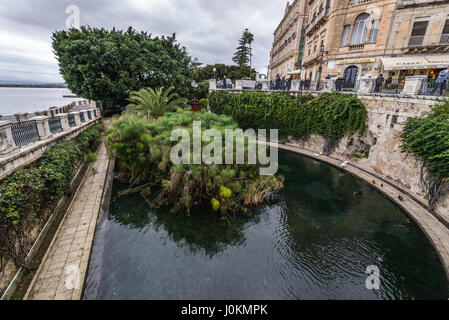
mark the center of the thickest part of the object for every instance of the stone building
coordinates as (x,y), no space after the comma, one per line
(419,40)
(347,38)
(286,52)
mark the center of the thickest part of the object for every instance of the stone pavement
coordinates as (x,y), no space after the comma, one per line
(63,269)
(436,232)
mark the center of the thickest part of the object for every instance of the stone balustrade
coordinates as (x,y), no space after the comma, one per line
(21,143)
(412,87)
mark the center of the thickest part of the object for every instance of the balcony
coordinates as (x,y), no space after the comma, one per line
(444,39)
(356,47)
(425,44)
(318,21)
(414,41)
(358,2)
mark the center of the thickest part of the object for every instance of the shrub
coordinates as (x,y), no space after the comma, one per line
(427,138)
(26,193)
(92,157)
(143,149)
(204,103)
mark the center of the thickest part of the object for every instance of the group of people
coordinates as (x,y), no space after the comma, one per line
(282,83)
(381,82)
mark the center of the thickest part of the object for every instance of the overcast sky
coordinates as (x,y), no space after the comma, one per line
(210,29)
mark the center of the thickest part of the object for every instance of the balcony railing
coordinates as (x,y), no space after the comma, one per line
(357,2)
(55,125)
(322,16)
(354,47)
(431,87)
(71,119)
(414,41)
(444,38)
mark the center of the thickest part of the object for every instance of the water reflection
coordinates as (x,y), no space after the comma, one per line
(314,242)
(202,231)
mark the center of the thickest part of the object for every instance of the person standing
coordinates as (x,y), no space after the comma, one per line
(379,83)
(441,81)
(289,83)
(283,83)
(278,82)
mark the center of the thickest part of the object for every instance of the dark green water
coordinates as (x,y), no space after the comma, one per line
(314,242)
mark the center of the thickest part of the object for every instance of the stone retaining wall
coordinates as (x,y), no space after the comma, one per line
(382,140)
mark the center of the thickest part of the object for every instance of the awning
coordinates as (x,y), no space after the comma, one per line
(295,72)
(407,62)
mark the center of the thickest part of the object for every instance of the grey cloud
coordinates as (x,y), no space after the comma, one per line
(209,29)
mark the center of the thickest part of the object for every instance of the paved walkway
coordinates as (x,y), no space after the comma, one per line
(62,271)
(436,232)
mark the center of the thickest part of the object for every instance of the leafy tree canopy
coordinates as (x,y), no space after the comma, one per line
(106,65)
(231,72)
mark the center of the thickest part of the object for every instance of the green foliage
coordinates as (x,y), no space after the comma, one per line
(154,103)
(242,55)
(427,138)
(106,65)
(25,193)
(202,90)
(92,157)
(143,149)
(231,72)
(331,115)
(203,103)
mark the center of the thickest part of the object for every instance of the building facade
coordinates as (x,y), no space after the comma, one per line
(419,40)
(346,38)
(286,51)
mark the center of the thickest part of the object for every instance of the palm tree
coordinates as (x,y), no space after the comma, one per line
(154,103)
(249,38)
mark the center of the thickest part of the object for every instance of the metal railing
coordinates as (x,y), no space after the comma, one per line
(444,38)
(415,41)
(433,87)
(71,119)
(391,87)
(24,132)
(82,119)
(55,124)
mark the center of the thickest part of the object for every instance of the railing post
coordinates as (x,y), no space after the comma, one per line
(64,118)
(265,85)
(238,84)
(76,116)
(413,85)
(7,143)
(366,85)
(329,85)
(212,85)
(21,116)
(43,129)
(86,117)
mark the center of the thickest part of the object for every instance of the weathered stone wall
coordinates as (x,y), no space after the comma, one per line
(378,149)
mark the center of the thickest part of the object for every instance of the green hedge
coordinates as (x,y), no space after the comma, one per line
(25,193)
(331,115)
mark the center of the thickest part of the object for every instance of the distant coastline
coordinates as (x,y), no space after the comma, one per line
(33,85)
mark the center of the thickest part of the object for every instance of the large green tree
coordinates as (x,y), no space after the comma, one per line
(242,53)
(231,72)
(106,65)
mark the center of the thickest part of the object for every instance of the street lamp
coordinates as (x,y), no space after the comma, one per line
(320,68)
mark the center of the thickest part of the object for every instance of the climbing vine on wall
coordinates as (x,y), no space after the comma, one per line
(427,138)
(331,115)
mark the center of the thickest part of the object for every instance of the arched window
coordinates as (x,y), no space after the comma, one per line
(360,29)
(345,35)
